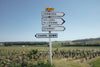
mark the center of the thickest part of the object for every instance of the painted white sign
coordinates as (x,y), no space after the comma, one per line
(53,28)
(53,14)
(52,21)
(46,35)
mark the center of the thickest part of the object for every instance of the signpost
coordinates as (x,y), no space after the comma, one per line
(46,35)
(52,21)
(49,18)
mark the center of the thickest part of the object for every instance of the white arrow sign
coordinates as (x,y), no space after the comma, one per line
(52,21)
(53,14)
(53,28)
(46,35)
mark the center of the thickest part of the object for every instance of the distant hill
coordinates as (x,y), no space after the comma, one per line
(80,42)
(87,40)
(93,41)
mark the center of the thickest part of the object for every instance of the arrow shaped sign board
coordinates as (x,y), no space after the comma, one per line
(52,21)
(53,28)
(46,35)
(53,14)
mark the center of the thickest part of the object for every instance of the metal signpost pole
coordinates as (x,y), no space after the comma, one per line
(50,44)
(50,48)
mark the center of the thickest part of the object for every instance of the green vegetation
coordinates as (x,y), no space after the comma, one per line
(76,43)
(15,59)
(30,56)
(24,43)
(95,62)
(79,43)
(78,53)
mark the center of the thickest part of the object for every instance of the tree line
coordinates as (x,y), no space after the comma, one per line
(76,44)
(24,43)
(61,44)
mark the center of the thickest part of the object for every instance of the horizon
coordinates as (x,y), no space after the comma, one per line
(48,40)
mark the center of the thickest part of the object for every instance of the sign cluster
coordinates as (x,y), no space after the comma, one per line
(51,21)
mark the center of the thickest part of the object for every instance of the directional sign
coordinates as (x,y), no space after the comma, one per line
(52,21)
(53,28)
(49,9)
(46,35)
(53,14)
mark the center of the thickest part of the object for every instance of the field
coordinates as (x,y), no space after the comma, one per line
(31,56)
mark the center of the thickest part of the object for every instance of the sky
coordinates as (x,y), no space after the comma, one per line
(20,20)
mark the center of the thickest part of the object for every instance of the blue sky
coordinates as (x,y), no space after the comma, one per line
(20,20)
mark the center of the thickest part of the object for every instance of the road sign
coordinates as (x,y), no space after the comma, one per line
(52,14)
(46,35)
(53,28)
(49,9)
(52,21)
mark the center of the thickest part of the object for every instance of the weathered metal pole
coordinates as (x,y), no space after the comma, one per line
(50,44)
(50,48)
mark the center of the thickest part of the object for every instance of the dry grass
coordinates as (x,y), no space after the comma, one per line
(66,63)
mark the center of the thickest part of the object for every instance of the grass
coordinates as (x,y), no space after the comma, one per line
(95,62)
(72,63)
(58,62)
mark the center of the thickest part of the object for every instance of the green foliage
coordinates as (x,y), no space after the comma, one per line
(38,56)
(35,51)
(15,65)
(24,43)
(95,63)
(33,54)
(41,65)
(45,65)
(29,59)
